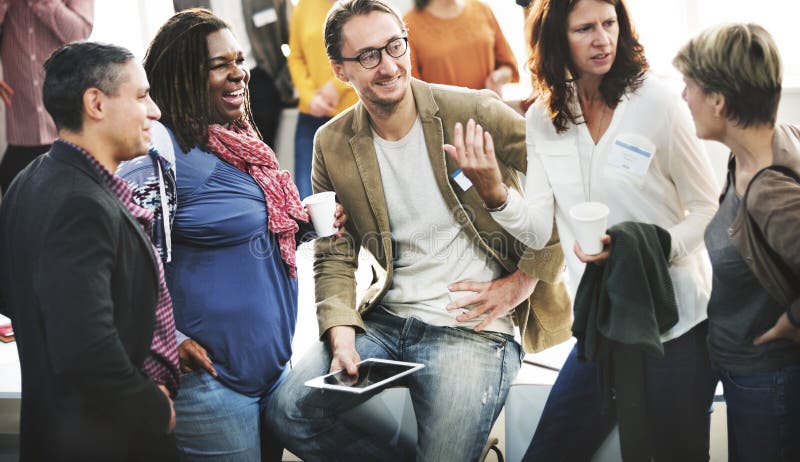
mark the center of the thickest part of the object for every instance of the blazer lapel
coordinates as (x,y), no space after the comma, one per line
(366,160)
(143,239)
(441,164)
(76,159)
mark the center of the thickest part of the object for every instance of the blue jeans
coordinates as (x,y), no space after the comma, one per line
(307,126)
(215,423)
(679,393)
(763,415)
(456,396)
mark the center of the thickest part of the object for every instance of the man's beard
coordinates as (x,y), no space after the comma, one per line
(386,105)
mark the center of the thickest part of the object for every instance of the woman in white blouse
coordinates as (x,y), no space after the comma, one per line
(603,129)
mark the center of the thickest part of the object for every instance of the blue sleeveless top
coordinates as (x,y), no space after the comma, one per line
(230,289)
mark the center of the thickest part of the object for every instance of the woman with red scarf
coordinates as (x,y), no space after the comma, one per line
(232,274)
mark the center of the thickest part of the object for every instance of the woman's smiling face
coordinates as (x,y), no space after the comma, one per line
(227,77)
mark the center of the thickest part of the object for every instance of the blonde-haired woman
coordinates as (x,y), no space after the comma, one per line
(733,87)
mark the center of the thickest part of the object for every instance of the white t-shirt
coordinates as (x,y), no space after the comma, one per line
(648,167)
(431,249)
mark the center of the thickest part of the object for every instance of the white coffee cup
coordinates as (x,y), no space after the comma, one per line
(322,210)
(590,220)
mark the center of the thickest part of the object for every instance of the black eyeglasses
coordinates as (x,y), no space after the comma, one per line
(370,59)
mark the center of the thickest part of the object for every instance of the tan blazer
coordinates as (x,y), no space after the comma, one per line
(345,162)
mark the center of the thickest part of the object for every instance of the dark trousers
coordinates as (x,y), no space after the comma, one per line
(763,415)
(15,159)
(679,392)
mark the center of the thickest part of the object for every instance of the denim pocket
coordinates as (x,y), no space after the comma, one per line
(498,338)
(756,394)
(750,395)
(758,382)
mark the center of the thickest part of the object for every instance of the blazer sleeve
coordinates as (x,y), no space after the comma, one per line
(335,263)
(529,219)
(82,339)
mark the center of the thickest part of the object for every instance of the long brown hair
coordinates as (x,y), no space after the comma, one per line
(553,71)
(176,66)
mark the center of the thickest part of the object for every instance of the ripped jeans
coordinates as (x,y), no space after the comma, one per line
(456,396)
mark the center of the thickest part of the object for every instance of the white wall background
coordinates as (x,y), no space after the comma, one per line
(663,28)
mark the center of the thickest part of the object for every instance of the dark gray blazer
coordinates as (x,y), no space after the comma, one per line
(79,280)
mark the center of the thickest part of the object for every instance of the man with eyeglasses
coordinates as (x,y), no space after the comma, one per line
(449,283)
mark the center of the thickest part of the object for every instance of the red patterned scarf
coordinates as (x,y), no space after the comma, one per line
(241,148)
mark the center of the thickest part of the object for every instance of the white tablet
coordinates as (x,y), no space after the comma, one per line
(372,373)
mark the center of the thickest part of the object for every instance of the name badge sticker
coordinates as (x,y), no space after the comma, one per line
(264,17)
(632,153)
(461,180)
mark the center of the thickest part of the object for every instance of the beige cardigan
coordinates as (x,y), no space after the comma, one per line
(770,211)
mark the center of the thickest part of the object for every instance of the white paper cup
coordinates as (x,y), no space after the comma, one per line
(322,208)
(590,220)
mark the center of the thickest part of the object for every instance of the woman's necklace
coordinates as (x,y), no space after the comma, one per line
(586,183)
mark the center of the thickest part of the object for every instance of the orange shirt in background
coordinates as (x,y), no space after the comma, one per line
(458,51)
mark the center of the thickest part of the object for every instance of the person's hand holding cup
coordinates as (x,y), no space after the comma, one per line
(322,209)
(590,220)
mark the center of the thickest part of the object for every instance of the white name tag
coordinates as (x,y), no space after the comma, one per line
(461,180)
(632,153)
(264,17)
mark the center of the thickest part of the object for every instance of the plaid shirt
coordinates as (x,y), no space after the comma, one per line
(162,364)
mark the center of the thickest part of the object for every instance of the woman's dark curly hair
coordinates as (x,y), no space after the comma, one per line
(553,71)
(176,66)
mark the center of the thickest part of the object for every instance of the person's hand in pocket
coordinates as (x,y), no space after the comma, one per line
(194,357)
(783,328)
